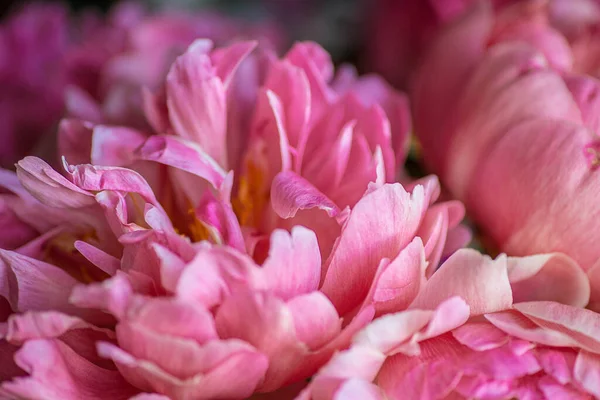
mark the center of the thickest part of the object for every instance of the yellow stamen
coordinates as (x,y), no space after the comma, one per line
(251,197)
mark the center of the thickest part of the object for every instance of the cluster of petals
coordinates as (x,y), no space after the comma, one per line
(520,147)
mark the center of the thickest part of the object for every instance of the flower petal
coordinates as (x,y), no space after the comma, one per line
(381,224)
(551,277)
(479,280)
(57,371)
(291,193)
(293,266)
(196,102)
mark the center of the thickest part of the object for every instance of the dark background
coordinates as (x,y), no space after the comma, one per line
(338,25)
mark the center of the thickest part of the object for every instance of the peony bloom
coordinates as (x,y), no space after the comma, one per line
(181,308)
(246,143)
(510,126)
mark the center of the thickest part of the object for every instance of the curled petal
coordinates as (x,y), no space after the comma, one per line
(184,155)
(551,277)
(49,187)
(291,193)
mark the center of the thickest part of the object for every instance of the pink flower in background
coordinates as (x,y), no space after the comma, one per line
(113,59)
(33,44)
(511,127)
(93,66)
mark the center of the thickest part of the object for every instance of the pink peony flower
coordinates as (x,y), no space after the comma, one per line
(275,124)
(181,308)
(510,126)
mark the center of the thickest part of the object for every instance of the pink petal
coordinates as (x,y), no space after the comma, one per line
(75,140)
(441,79)
(432,376)
(184,155)
(269,137)
(316,321)
(480,336)
(578,324)
(357,362)
(381,224)
(222,377)
(587,372)
(227,60)
(45,325)
(49,186)
(155,109)
(56,371)
(112,295)
(196,102)
(586,93)
(171,266)
(81,105)
(99,258)
(387,333)
(318,68)
(92,178)
(291,193)
(433,231)
(219,215)
(325,168)
(518,325)
(594,278)
(293,266)
(266,323)
(339,389)
(149,396)
(114,145)
(479,280)
(397,283)
(214,274)
(33,285)
(172,317)
(551,277)
(401,332)
(291,86)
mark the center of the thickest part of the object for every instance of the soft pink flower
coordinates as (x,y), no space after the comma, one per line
(303,145)
(511,129)
(182,309)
